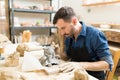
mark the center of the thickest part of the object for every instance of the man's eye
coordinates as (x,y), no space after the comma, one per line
(63,28)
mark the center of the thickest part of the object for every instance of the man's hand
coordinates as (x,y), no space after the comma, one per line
(70,66)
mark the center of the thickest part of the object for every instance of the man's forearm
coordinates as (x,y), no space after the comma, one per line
(95,66)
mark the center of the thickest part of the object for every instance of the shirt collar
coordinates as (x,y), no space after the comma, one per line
(83,31)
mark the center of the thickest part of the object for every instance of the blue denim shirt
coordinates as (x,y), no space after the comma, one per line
(95,41)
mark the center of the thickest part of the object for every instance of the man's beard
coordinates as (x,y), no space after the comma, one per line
(71,34)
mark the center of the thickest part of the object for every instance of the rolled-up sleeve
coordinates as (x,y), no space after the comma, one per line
(109,60)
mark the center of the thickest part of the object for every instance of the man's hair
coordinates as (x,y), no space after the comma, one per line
(65,13)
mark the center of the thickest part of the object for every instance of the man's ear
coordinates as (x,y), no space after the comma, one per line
(74,20)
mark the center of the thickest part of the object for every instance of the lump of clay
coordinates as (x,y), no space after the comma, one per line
(9,75)
(81,74)
(27,47)
(12,60)
(21,48)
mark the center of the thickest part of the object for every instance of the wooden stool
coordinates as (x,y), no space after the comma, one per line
(116,56)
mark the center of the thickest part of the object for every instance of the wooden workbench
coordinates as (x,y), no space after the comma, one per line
(34,75)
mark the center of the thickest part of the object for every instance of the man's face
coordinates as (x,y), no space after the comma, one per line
(66,28)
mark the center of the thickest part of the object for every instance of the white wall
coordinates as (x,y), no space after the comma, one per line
(98,14)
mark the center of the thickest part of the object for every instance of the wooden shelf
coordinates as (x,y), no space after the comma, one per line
(35,27)
(101,3)
(33,11)
(35,30)
(104,23)
(112,26)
